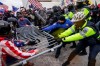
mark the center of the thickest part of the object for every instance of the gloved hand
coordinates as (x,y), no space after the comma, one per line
(59,40)
(36,41)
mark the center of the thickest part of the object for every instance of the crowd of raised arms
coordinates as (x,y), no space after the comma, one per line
(78,24)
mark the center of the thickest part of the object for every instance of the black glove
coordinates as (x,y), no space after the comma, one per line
(59,40)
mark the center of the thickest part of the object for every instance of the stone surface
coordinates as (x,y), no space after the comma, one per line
(49,60)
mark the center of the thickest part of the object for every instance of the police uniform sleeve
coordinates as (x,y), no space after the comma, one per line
(68,32)
(66,16)
(85,11)
(86,32)
(70,15)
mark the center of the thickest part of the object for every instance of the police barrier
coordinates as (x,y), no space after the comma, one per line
(44,41)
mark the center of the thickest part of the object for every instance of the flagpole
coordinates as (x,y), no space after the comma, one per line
(26,4)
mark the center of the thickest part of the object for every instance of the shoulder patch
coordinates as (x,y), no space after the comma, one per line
(67,25)
(85,30)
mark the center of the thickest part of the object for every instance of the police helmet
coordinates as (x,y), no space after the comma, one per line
(78,17)
(4,27)
(55,8)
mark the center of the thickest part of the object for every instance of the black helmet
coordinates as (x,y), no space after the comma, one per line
(70,7)
(49,13)
(55,9)
(12,20)
(4,27)
(61,18)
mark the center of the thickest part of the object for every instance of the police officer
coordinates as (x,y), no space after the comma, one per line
(60,26)
(69,14)
(86,33)
(83,7)
(61,23)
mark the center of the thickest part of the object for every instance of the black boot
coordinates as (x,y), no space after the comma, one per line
(74,45)
(83,52)
(64,44)
(58,51)
(66,63)
(91,62)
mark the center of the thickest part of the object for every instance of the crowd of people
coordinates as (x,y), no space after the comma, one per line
(81,27)
(78,24)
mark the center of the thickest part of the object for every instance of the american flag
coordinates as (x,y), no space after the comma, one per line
(69,2)
(36,4)
(3,6)
(62,2)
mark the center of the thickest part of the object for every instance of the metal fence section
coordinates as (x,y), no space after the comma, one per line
(44,41)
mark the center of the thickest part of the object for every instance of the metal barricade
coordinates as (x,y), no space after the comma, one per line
(47,42)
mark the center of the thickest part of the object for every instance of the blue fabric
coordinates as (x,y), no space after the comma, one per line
(14,8)
(11,61)
(1,3)
(31,6)
(23,22)
(56,25)
(2,10)
(19,44)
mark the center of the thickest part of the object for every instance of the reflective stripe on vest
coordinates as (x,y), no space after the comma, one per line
(82,33)
(71,28)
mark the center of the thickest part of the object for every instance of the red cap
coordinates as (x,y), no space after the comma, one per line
(99,5)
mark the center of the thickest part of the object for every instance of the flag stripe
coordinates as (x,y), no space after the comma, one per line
(3,6)
(36,4)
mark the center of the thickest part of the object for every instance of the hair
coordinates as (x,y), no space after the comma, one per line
(61,18)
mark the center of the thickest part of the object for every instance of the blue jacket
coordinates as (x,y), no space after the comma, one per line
(23,22)
(56,25)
